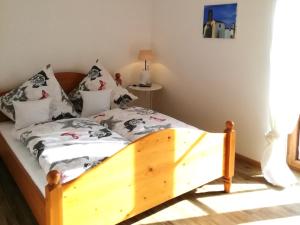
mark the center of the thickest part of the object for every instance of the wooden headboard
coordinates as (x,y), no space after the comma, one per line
(67,80)
(293,148)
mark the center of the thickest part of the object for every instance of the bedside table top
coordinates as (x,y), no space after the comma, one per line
(154,87)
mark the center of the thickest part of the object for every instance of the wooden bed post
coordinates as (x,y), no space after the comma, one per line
(53,199)
(292,148)
(229,155)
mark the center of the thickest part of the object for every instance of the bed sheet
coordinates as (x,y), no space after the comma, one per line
(29,163)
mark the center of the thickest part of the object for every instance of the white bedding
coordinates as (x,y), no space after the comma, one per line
(29,163)
(70,146)
(131,124)
(136,122)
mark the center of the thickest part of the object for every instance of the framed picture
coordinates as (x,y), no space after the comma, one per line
(220,21)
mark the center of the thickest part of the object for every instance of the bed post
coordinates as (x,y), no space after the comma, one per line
(53,214)
(229,156)
(292,147)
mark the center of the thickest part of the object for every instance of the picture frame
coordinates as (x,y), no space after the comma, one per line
(219,21)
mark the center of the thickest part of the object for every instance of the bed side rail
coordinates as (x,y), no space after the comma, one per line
(148,172)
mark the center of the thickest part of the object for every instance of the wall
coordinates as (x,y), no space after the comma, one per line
(208,81)
(205,81)
(71,35)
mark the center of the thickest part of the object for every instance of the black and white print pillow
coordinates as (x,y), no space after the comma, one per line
(121,97)
(40,86)
(98,79)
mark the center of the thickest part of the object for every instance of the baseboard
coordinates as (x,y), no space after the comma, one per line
(248,160)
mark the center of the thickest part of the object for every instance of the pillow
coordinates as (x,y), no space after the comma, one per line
(39,86)
(31,112)
(98,78)
(122,97)
(95,102)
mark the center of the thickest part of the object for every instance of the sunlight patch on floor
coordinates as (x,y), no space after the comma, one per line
(251,200)
(294,220)
(181,210)
(235,187)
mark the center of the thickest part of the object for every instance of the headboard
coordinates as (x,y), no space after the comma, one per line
(293,148)
(67,80)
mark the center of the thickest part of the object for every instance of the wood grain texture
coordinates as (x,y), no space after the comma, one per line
(14,209)
(293,148)
(36,201)
(69,80)
(189,209)
(157,168)
(229,155)
(54,199)
(146,173)
(26,185)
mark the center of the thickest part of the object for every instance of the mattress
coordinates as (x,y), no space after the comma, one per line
(29,163)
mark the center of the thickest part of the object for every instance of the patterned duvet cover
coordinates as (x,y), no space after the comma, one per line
(73,146)
(70,146)
(136,122)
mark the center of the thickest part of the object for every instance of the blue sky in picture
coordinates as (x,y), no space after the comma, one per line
(225,13)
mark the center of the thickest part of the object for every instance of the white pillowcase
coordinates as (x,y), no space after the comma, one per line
(42,85)
(95,102)
(31,112)
(99,79)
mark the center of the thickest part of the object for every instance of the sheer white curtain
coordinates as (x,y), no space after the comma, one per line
(284,91)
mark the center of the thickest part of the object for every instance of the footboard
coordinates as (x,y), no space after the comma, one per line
(148,172)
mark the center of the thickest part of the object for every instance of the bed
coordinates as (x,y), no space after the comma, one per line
(293,156)
(146,173)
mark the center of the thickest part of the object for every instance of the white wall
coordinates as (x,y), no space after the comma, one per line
(205,81)
(208,81)
(71,35)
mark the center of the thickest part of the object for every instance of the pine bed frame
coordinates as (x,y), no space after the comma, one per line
(146,173)
(293,148)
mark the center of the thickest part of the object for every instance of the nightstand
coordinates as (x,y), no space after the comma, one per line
(148,91)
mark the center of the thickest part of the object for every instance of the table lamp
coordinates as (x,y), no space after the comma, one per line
(145,55)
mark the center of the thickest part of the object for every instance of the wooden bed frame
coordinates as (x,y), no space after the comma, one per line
(146,173)
(293,146)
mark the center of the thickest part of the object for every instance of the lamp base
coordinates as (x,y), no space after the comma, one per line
(145,77)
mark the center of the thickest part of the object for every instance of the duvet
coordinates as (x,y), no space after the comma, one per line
(136,122)
(70,146)
(73,146)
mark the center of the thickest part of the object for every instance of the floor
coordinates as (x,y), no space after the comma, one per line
(13,208)
(251,202)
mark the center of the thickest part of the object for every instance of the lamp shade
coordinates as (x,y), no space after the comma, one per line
(146,54)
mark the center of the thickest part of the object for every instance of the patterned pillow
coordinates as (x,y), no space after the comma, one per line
(97,79)
(121,98)
(39,86)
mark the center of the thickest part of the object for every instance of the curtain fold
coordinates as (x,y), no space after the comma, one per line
(284,91)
